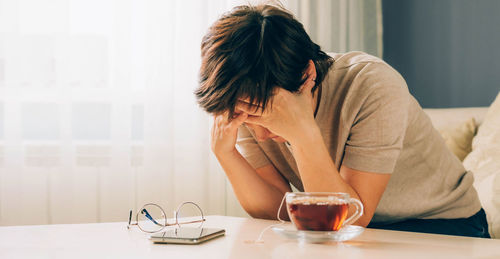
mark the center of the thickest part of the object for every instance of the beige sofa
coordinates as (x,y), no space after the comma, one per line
(442,118)
(473,134)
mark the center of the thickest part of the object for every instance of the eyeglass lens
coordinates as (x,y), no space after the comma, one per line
(151,218)
(188,212)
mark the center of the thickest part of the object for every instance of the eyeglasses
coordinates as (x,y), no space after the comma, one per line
(151,218)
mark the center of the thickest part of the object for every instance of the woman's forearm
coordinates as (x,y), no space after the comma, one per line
(317,169)
(259,198)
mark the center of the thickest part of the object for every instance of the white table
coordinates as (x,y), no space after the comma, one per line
(113,240)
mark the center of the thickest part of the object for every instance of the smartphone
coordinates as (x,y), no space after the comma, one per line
(186,235)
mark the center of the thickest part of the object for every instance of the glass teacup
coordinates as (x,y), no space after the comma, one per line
(321,211)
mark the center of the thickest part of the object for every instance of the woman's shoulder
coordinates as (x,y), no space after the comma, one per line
(363,74)
(348,59)
(361,83)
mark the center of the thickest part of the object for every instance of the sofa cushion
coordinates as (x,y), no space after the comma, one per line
(458,138)
(457,126)
(484,162)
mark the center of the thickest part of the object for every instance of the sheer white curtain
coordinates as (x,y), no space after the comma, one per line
(342,25)
(97,112)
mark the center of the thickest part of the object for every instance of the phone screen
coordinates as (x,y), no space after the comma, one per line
(187,235)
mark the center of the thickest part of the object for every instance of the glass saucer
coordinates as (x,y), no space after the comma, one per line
(346,233)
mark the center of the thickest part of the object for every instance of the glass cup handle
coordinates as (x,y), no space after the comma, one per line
(357,214)
(281,205)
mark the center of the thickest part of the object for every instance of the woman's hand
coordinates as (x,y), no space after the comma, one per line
(224,133)
(290,115)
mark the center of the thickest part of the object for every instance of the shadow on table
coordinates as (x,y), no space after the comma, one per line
(366,249)
(275,246)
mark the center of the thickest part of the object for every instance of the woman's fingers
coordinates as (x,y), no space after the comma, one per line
(238,120)
(258,120)
(224,132)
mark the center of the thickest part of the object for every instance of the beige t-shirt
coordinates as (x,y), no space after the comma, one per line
(370,122)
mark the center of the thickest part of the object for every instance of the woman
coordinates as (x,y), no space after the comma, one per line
(340,123)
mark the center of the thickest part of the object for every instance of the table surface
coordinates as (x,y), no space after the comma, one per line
(113,240)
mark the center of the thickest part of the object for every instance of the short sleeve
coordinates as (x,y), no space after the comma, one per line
(377,132)
(250,149)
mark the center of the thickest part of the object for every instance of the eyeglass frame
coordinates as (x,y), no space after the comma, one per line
(163,226)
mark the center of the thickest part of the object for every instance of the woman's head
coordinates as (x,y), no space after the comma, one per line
(249,52)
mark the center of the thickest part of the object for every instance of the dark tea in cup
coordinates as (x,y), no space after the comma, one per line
(318,215)
(321,211)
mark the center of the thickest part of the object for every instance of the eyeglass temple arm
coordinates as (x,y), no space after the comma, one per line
(187,222)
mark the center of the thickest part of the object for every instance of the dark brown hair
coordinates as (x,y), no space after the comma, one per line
(249,52)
